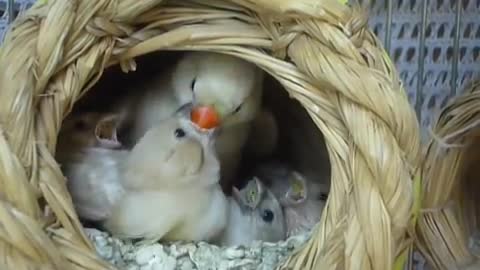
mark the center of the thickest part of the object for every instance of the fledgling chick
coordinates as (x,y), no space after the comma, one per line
(171,186)
(255,214)
(93,176)
(87,152)
(303,201)
(89,129)
(223,91)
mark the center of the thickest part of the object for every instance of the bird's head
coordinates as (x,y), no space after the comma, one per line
(260,207)
(288,185)
(174,152)
(88,129)
(223,90)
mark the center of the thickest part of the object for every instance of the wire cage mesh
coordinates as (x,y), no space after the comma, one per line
(435,40)
(449,33)
(447,30)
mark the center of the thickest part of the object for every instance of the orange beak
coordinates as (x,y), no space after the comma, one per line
(205,117)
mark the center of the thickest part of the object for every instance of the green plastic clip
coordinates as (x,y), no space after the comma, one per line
(400,261)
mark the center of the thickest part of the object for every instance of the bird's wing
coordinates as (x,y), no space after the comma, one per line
(149,215)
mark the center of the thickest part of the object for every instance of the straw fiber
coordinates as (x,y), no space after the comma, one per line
(451,187)
(322,53)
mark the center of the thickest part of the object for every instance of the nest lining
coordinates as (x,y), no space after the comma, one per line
(188,256)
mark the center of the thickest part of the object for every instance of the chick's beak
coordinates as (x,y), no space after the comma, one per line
(205,117)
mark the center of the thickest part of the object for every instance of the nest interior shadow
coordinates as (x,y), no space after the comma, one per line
(323,55)
(300,144)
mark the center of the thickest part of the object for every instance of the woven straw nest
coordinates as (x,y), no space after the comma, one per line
(321,52)
(448,224)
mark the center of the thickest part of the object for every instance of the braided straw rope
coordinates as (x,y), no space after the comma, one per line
(336,68)
(451,187)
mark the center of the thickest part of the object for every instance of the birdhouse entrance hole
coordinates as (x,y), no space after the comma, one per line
(292,138)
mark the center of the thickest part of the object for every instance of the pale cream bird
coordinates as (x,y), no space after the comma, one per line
(171,182)
(166,187)
(254,215)
(303,201)
(223,91)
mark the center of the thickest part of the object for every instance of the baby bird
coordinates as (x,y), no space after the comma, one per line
(85,150)
(88,129)
(93,181)
(223,91)
(171,191)
(255,214)
(303,201)
(166,187)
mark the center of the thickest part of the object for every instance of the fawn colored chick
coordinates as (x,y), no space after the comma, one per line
(89,129)
(302,200)
(255,214)
(166,187)
(171,186)
(85,143)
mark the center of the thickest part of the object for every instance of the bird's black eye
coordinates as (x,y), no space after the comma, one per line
(238,108)
(179,133)
(192,85)
(267,215)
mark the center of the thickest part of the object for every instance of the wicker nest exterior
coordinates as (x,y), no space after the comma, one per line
(449,217)
(322,52)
